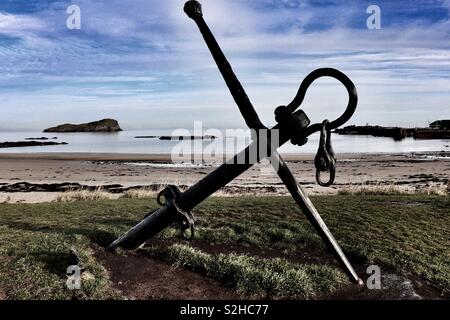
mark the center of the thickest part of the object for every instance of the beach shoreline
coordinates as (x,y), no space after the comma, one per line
(38,177)
(99,156)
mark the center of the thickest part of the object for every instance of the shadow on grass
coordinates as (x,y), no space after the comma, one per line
(55,262)
(116,221)
(99,237)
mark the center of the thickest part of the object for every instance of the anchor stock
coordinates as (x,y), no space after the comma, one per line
(292,125)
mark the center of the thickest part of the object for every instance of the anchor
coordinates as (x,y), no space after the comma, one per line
(292,125)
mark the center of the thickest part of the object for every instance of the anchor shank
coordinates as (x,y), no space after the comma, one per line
(237,91)
(146,229)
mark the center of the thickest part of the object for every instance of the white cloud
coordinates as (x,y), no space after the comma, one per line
(175,70)
(22,26)
(17,23)
(446,4)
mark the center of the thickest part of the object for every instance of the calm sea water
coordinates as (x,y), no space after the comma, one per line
(125,142)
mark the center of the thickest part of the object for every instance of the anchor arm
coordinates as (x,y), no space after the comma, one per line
(285,174)
(311,213)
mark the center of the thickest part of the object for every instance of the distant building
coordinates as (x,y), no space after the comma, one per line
(440,124)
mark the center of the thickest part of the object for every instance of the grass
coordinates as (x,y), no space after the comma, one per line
(438,189)
(100,194)
(405,233)
(140,193)
(408,234)
(34,267)
(84,195)
(255,276)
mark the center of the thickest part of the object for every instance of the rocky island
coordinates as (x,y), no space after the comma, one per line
(104,125)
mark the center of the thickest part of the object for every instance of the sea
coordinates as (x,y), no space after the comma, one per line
(126,142)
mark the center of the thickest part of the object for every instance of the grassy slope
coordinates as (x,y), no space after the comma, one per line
(406,233)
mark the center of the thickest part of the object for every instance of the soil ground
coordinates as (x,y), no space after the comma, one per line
(140,276)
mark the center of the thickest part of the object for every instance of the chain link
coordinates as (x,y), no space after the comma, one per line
(325,160)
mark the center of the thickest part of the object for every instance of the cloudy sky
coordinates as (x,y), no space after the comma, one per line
(144,62)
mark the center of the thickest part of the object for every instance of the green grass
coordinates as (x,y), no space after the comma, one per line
(255,276)
(409,234)
(405,233)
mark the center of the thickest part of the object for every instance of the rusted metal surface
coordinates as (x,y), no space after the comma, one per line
(292,125)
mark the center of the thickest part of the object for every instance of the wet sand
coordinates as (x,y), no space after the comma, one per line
(409,171)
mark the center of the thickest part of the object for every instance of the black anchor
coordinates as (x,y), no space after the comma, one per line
(292,125)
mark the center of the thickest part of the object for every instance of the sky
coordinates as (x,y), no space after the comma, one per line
(144,62)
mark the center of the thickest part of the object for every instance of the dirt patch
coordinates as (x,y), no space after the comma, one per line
(144,278)
(140,276)
(393,287)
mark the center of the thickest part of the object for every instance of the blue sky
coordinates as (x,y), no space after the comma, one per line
(144,62)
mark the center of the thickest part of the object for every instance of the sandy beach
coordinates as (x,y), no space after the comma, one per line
(36,177)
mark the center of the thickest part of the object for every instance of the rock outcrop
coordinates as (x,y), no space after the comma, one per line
(105,125)
(18,144)
(207,137)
